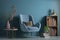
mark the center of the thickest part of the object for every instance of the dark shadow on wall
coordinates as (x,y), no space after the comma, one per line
(2,24)
(17,25)
(43,23)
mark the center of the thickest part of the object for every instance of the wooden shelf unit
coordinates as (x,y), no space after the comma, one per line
(51,22)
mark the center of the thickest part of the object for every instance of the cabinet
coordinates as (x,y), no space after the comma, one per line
(51,22)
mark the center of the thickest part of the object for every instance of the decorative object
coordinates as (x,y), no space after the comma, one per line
(13,10)
(49,12)
(8,25)
(46,35)
(46,32)
(53,13)
(46,29)
(12,14)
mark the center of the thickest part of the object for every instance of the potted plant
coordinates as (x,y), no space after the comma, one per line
(46,32)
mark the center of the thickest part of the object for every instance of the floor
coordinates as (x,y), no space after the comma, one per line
(33,38)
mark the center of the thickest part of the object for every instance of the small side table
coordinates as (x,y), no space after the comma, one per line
(13,32)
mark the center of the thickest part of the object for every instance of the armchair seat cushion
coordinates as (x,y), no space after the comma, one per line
(32,29)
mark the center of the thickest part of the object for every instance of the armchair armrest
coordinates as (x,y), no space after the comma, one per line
(23,27)
(38,25)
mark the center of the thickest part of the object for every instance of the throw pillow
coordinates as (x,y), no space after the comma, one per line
(28,23)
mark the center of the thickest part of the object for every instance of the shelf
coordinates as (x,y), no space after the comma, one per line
(52,26)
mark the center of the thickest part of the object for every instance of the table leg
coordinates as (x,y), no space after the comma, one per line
(15,33)
(12,34)
(7,33)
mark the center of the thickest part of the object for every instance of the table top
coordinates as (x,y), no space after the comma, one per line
(11,29)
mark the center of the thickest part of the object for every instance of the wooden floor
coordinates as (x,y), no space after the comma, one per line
(34,38)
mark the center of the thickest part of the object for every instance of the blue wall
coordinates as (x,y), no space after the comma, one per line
(37,8)
(59,18)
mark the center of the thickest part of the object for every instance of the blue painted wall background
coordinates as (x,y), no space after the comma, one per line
(37,8)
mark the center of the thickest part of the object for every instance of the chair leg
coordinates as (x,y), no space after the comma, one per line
(31,33)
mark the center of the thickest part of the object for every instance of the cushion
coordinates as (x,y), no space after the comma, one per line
(29,23)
